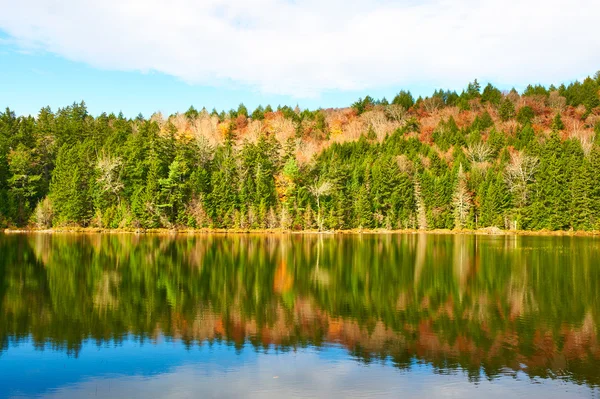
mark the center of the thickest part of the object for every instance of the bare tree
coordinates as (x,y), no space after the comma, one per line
(421,211)
(318,190)
(556,101)
(207,127)
(432,104)
(378,121)
(158,118)
(44,213)
(285,218)
(519,174)
(404,164)
(478,152)
(272,220)
(587,143)
(585,136)
(110,174)
(461,200)
(513,96)
(205,150)
(395,112)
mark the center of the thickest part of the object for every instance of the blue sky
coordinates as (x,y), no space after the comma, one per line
(156,55)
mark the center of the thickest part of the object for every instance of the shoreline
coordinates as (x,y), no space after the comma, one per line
(206,231)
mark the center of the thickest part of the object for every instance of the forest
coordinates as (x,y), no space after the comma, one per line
(481,158)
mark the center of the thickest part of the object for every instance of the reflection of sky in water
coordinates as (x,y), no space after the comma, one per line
(169,370)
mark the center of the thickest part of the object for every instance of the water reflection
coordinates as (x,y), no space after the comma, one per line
(488,306)
(307,373)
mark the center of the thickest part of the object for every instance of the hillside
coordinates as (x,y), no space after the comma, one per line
(476,159)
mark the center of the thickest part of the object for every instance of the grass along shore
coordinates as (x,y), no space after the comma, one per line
(188,231)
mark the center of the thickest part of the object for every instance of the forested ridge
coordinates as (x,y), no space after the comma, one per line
(477,159)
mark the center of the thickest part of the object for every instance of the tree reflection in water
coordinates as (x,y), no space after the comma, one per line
(500,304)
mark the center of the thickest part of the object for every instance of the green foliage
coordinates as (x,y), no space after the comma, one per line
(537,90)
(525,136)
(242,110)
(363,105)
(70,186)
(582,93)
(110,171)
(473,89)
(23,185)
(494,199)
(482,122)
(448,97)
(525,115)
(288,112)
(550,205)
(447,134)
(191,113)
(405,99)
(507,110)
(557,123)
(463,102)
(412,125)
(259,113)
(491,95)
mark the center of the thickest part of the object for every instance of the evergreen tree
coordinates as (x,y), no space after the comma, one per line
(405,99)
(70,186)
(218,170)
(525,136)
(525,115)
(557,123)
(174,189)
(491,95)
(224,183)
(507,110)
(494,200)
(23,184)
(582,194)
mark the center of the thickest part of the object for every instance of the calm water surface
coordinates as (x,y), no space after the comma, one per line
(307,316)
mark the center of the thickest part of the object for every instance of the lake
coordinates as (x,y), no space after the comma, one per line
(280,315)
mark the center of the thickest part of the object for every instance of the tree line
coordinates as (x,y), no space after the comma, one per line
(481,158)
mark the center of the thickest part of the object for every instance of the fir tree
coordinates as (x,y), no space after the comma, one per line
(507,110)
(557,123)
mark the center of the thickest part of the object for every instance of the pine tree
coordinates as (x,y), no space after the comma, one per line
(224,185)
(581,197)
(525,115)
(491,95)
(200,171)
(525,136)
(507,110)
(362,209)
(550,205)
(557,123)
(23,184)
(70,186)
(494,200)
(405,99)
(174,189)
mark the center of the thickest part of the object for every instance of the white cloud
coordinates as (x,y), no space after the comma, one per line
(304,375)
(303,48)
